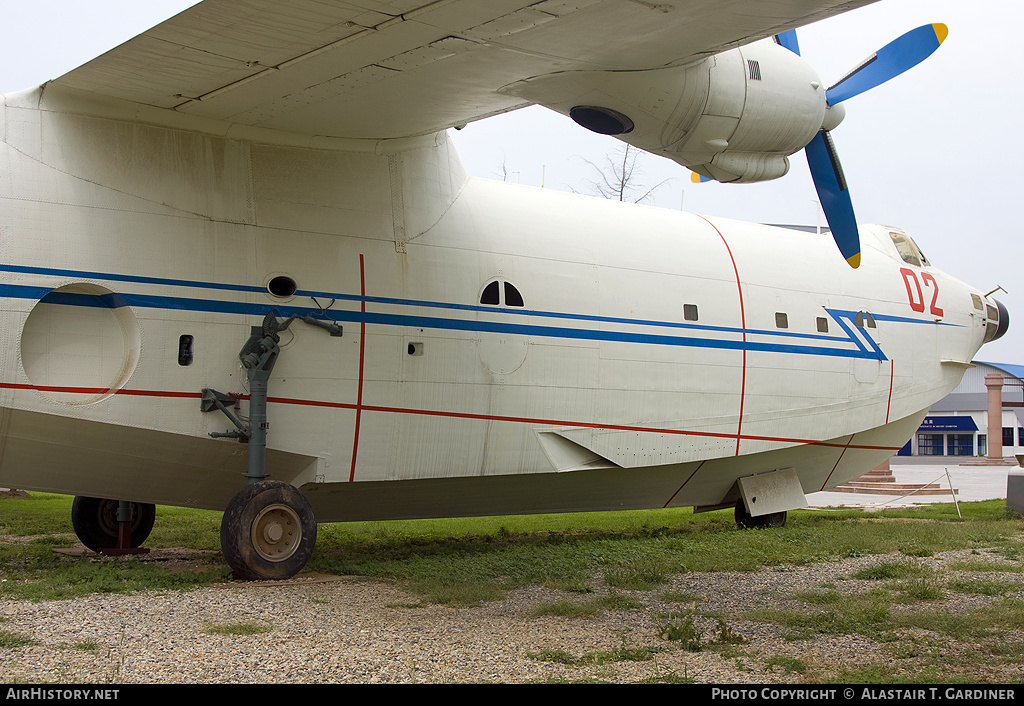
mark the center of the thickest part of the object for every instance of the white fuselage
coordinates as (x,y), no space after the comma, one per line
(653,359)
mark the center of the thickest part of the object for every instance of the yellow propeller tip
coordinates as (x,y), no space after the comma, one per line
(854,260)
(941,31)
(695,177)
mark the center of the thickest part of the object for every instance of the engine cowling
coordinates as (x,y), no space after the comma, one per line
(733,117)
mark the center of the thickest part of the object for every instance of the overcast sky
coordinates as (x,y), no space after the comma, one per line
(935,151)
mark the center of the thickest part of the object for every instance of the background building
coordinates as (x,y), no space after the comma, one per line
(957,425)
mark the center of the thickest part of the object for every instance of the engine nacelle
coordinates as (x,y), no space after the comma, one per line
(733,117)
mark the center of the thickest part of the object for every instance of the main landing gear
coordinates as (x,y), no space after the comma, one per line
(112,526)
(268,530)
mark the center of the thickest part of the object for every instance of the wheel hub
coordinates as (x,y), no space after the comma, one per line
(276,532)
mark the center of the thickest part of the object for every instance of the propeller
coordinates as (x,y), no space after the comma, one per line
(890,61)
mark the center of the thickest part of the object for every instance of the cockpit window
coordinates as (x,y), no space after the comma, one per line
(924,260)
(908,249)
(905,247)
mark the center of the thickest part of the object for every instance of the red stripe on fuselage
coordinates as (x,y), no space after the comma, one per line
(743,325)
(362,358)
(460,415)
(843,453)
(892,375)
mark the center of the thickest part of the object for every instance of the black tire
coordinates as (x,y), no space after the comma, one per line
(744,520)
(268,531)
(95,522)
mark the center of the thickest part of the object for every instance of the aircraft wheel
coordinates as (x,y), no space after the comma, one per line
(268,531)
(95,522)
(744,520)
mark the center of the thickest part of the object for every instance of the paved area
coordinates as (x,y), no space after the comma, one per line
(971,482)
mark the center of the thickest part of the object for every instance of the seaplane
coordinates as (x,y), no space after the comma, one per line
(243,270)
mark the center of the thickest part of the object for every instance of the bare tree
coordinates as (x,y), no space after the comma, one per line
(619,178)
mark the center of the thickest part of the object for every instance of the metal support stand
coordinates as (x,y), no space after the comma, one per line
(124,516)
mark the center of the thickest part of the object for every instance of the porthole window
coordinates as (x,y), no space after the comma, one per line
(512,295)
(689,312)
(490,295)
(781,320)
(501,293)
(863,319)
(282,286)
(822,324)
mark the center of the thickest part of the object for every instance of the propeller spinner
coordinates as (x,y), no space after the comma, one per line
(888,62)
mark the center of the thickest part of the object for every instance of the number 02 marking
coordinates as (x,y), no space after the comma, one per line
(916,294)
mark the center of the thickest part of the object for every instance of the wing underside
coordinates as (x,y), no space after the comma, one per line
(397,68)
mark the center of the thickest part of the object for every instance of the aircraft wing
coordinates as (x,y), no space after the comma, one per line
(395,68)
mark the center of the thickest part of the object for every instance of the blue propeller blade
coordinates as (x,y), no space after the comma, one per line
(788,40)
(834,196)
(888,62)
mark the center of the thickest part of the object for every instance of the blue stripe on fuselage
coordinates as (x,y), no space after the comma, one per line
(455,324)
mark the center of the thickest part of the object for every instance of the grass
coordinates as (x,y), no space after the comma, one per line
(34,526)
(899,608)
(787,664)
(680,626)
(871,614)
(10,640)
(642,557)
(923,588)
(866,614)
(624,653)
(632,550)
(986,565)
(640,576)
(891,570)
(983,587)
(466,561)
(236,629)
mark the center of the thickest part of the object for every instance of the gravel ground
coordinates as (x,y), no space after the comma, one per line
(323,629)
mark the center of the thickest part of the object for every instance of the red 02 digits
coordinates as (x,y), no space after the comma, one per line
(916,293)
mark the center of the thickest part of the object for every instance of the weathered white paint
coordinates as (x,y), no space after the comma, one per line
(597,393)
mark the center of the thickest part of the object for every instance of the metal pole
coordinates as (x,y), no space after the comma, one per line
(953,493)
